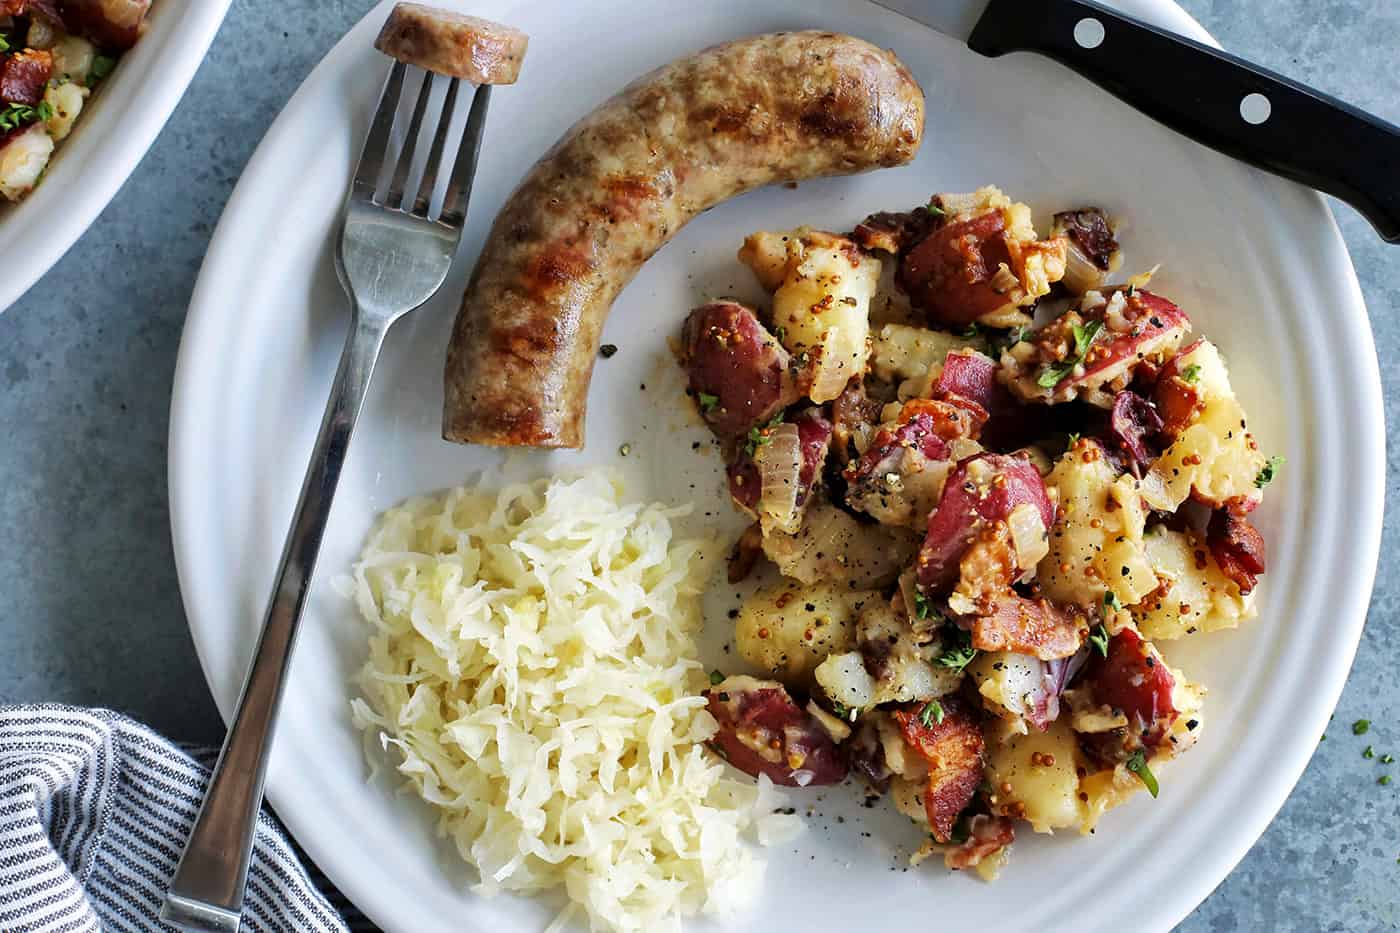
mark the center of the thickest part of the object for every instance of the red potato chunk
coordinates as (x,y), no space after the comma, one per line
(1096,351)
(952,746)
(762,731)
(1236,545)
(986,836)
(23,77)
(1133,680)
(949,272)
(973,376)
(1027,626)
(981,491)
(739,373)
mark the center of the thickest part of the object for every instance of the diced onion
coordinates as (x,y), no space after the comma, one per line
(1004,280)
(1028,535)
(779,464)
(830,371)
(1081,274)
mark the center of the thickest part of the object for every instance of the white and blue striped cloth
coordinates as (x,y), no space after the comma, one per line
(94,811)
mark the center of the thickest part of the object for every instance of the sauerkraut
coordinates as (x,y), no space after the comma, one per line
(533,674)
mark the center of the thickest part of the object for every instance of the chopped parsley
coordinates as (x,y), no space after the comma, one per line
(1387,759)
(1099,639)
(4,43)
(1138,765)
(1083,337)
(758,435)
(971,331)
(958,653)
(707,401)
(934,209)
(1111,602)
(1361,727)
(1266,475)
(923,607)
(716,678)
(1369,752)
(1191,373)
(1383,779)
(932,713)
(102,66)
(17,115)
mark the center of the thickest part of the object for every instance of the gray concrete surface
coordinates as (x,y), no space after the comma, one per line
(91,610)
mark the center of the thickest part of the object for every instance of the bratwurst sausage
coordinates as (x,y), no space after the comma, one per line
(624,180)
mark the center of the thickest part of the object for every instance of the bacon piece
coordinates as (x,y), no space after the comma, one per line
(1088,229)
(109,24)
(900,476)
(953,750)
(892,232)
(949,272)
(866,755)
(24,75)
(1236,545)
(1178,401)
(986,836)
(762,731)
(1026,626)
(1131,423)
(738,371)
(854,418)
(982,490)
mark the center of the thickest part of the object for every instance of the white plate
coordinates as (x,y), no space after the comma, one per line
(124,118)
(1256,261)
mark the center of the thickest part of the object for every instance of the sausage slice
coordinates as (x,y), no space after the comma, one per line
(467,47)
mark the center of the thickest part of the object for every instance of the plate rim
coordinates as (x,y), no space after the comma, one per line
(1273,789)
(83,187)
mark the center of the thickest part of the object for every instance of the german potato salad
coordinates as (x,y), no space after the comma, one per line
(983,528)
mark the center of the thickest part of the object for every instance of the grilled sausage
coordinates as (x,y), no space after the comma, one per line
(467,47)
(624,180)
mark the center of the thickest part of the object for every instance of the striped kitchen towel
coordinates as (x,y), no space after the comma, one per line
(94,811)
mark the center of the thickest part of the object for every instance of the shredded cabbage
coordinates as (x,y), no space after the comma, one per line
(534,670)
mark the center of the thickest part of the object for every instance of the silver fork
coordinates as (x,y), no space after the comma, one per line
(394,255)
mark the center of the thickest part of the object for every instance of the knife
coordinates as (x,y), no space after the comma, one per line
(1215,98)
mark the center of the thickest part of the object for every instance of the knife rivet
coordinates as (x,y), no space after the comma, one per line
(1088,33)
(1255,109)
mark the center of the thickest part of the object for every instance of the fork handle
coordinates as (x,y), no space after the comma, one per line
(207,890)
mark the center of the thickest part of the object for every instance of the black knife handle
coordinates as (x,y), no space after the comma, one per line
(1197,90)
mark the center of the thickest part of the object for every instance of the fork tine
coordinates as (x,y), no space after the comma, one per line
(459,189)
(377,142)
(434,165)
(394,196)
